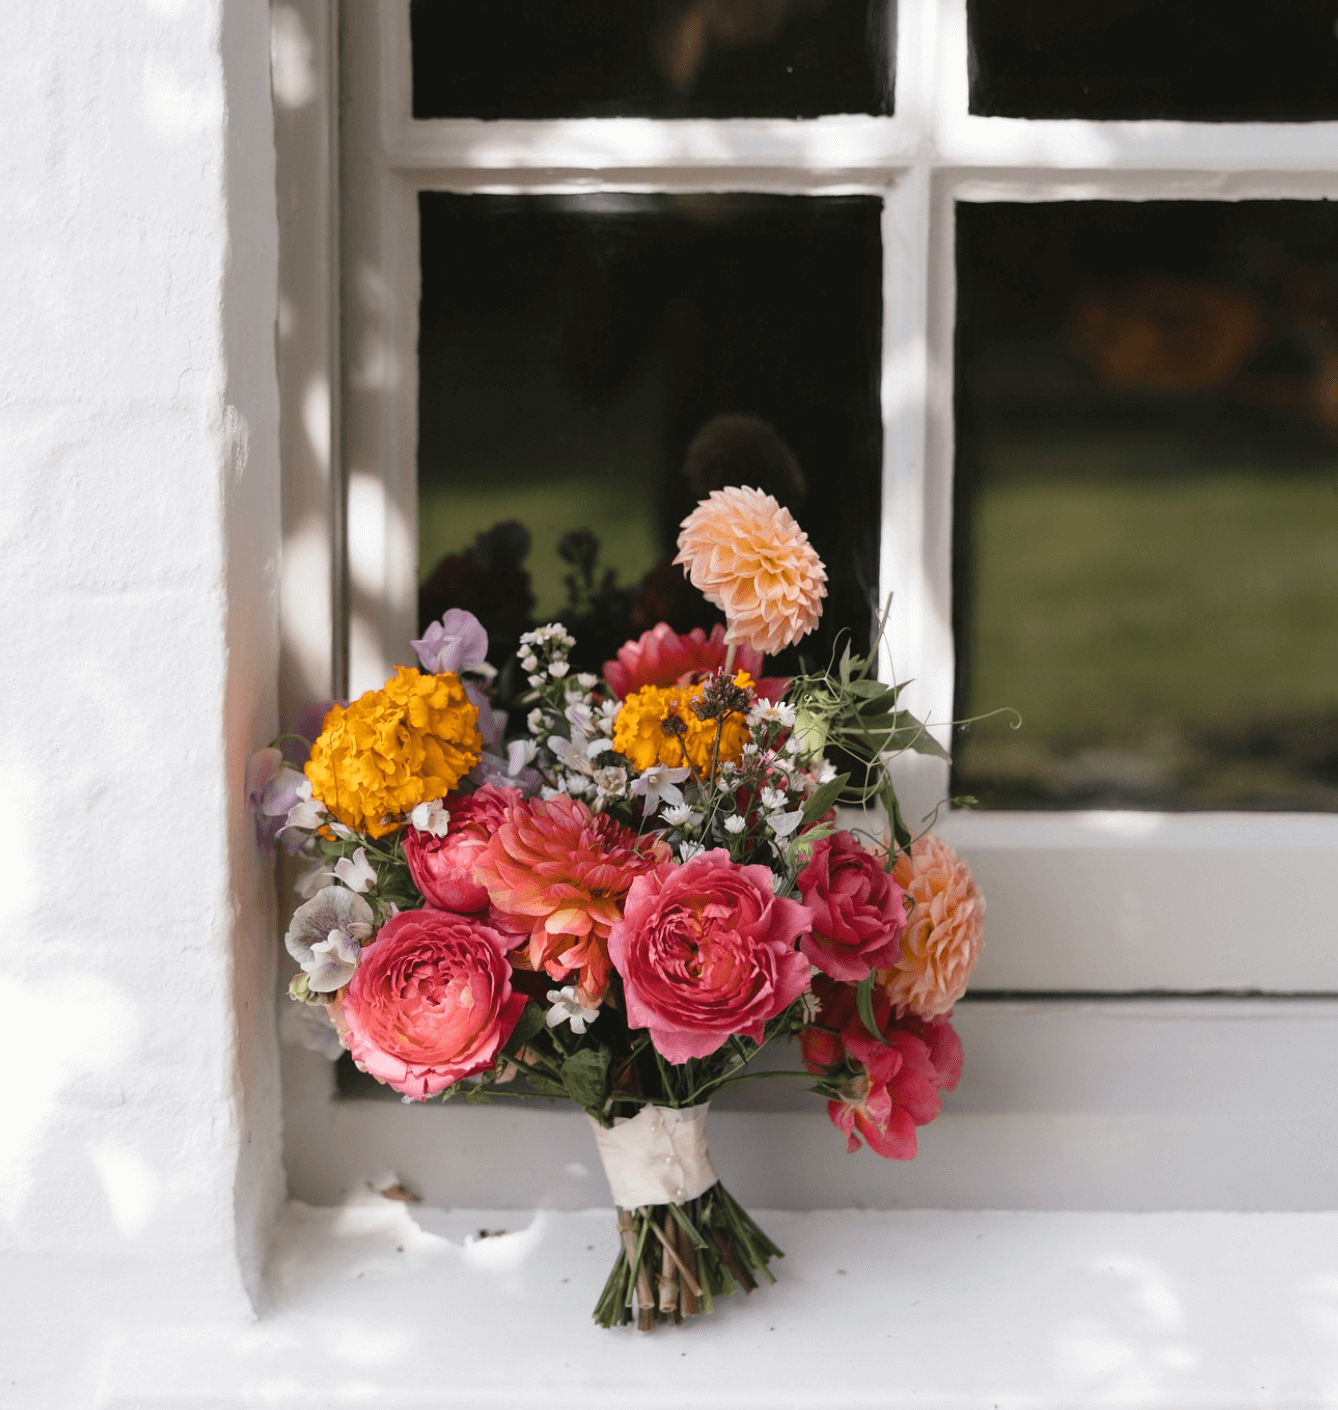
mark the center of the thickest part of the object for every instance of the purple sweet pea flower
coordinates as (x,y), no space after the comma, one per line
(492,723)
(273,789)
(457,643)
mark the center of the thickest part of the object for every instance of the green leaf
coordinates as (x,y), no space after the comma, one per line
(825,797)
(531,1021)
(864,1003)
(477,1096)
(585,1075)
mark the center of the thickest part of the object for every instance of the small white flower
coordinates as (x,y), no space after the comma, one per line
(812,1004)
(529,662)
(612,780)
(306,815)
(356,873)
(681,815)
(659,783)
(537,681)
(567,1008)
(346,834)
(687,850)
(792,745)
(827,772)
(586,681)
(783,824)
(558,669)
(519,753)
(750,749)
(535,720)
(735,825)
(774,799)
(430,817)
(310,881)
(766,712)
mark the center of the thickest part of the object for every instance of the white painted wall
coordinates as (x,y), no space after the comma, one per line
(138,571)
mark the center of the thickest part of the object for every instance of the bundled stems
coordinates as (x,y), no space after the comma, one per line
(674,1260)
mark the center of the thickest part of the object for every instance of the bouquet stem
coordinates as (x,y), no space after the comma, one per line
(676,1259)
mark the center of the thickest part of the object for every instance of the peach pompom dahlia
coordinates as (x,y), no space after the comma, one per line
(561,872)
(944,931)
(747,555)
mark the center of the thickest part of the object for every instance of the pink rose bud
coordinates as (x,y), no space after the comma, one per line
(859,910)
(443,867)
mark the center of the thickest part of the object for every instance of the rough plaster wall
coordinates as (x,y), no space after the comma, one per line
(138,547)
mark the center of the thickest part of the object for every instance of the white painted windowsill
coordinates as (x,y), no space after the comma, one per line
(380,1304)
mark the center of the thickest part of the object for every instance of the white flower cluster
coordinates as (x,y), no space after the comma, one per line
(570,746)
(544,652)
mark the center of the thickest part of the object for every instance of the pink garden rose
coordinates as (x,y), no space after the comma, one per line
(859,911)
(443,867)
(706,950)
(430,1002)
(896,1082)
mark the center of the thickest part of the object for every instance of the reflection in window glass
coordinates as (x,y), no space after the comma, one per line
(1190,59)
(651,58)
(596,364)
(1147,504)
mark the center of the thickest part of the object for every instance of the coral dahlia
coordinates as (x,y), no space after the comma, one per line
(662,657)
(944,931)
(557,870)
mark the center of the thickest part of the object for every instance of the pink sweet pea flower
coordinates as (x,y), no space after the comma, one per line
(706,950)
(430,1002)
(896,1083)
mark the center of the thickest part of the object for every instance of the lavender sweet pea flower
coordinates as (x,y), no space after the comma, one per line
(492,723)
(326,937)
(273,789)
(456,643)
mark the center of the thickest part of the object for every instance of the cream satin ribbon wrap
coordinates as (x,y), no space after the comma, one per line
(658,1156)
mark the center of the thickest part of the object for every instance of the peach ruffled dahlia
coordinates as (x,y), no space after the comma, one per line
(747,555)
(557,870)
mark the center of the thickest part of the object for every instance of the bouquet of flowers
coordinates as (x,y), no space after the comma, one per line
(624,902)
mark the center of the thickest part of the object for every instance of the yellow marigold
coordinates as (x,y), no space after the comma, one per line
(394,748)
(657,725)
(746,554)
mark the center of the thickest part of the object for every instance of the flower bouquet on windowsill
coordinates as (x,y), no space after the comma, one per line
(626,903)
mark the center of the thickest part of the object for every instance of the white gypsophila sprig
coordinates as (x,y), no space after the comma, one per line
(326,936)
(567,1008)
(735,824)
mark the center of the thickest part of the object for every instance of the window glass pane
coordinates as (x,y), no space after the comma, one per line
(1190,59)
(601,362)
(1147,503)
(653,58)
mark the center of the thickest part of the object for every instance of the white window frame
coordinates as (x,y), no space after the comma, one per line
(1078,901)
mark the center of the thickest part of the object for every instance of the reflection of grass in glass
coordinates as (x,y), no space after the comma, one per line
(622,517)
(1142,615)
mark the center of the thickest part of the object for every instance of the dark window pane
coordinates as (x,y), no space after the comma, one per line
(1147,503)
(1197,60)
(601,362)
(651,58)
